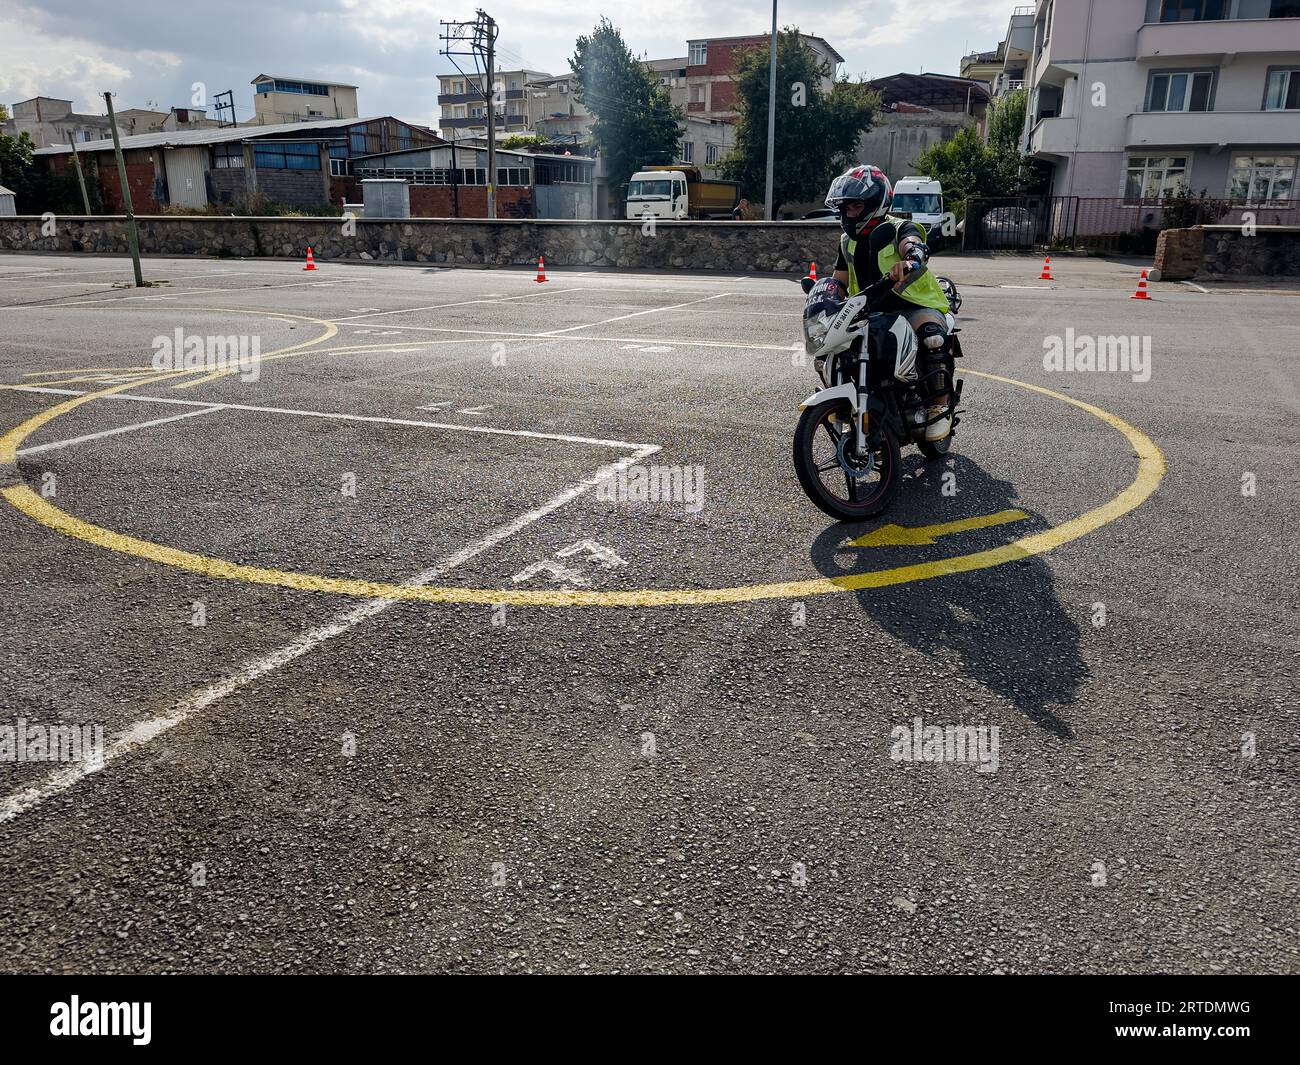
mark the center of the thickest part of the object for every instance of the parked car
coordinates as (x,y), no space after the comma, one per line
(1010,227)
(822,214)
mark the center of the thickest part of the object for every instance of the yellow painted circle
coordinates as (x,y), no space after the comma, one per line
(1151,468)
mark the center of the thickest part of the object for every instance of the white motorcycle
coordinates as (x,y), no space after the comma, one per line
(848,440)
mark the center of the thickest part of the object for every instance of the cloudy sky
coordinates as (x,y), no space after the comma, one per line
(151,52)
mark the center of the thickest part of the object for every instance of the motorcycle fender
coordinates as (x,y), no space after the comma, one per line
(847,390)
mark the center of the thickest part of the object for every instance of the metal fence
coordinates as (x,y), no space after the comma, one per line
(1115,224)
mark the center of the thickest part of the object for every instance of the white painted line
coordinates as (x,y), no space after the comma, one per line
(1203,291)
(637,314)
(492,430)
(463,303)
(195,291)
(141,732)
(738,345)
(117,431)
(1026,286)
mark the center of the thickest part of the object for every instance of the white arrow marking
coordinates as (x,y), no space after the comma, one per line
(475,410)
(600,554)
(557,572)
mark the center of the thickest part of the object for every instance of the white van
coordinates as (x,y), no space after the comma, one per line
(920,197)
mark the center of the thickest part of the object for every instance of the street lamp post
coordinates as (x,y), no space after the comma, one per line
(771,119)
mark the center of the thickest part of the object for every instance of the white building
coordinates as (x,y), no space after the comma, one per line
(1135,98)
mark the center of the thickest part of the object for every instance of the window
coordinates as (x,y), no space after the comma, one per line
(697,94)
(302,88)
(687,151)
(340,167)
(1150,177)
(699,53)
(1261,178)
(1193,10)
(229,156)
(1283,93)
(712,153)
(512,175)
(276,156)
(1180,91)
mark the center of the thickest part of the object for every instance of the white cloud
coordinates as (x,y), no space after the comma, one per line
(155,49)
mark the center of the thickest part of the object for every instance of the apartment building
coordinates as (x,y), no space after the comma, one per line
(277,100)
(710,63)
(462,108)
(1136,98)
(1003,69)
(48,120)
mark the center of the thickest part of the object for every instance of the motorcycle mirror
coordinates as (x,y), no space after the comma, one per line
(806,283)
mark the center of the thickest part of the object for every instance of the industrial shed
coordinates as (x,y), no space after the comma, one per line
(302,164)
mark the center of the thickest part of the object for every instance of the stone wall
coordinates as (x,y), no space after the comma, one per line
(1271,251)
(1212,253)
(736,247)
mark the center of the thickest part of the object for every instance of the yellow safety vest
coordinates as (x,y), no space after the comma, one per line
(924,291)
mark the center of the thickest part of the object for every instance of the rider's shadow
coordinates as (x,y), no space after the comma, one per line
(1004,624)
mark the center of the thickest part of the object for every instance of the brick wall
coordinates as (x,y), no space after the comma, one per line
(1179,253)
(435,201)
(299,188)
(722,96)
(228,184)
(139,176)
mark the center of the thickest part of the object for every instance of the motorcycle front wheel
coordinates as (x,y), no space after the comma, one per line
(822,447)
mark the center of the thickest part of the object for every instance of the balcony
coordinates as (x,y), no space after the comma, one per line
(1052,136)
(477,97)
(1218,129)
(1169,40)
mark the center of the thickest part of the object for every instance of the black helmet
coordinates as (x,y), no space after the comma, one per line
(868,184)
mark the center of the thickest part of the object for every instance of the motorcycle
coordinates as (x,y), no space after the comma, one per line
(850,434)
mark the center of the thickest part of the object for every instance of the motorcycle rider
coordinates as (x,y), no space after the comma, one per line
(875,243)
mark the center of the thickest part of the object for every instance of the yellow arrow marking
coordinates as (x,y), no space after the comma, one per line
(902,536)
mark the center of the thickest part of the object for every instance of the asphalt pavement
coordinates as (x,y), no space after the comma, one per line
(480,625)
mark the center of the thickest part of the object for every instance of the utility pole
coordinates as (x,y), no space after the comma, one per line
(477,40)
(132,234)
(455,178)
(81,180)
(490,39)
(225,101)
(771,120)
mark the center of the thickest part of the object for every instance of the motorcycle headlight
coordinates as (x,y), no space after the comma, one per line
(814,332)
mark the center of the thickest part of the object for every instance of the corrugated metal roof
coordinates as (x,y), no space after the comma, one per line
(217,135)
(7,192)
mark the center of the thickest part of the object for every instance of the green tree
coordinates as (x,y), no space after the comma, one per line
(37,189)
(1006,126)
(817,132)
(965,167)
(635,123)
(517,140)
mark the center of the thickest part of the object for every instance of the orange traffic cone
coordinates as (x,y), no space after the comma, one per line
(1046,275)
(311,262)
(1141,293)
(812,271)
(541,270)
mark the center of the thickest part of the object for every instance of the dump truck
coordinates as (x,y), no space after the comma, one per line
(679,192)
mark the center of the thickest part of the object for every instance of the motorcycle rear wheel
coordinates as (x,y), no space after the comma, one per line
(816,440)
